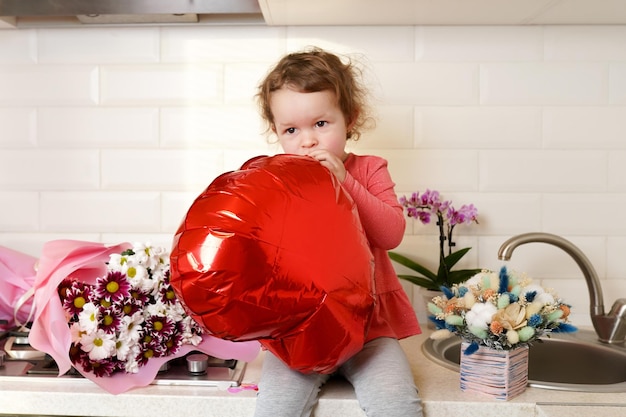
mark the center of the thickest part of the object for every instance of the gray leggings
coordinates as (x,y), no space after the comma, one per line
(380,374)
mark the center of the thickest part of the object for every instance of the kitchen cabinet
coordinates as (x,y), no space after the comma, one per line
(442,12)
(362,13)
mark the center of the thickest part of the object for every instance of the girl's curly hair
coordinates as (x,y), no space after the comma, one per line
(315,70)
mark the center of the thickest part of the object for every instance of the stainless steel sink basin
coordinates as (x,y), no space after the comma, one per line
(570,362)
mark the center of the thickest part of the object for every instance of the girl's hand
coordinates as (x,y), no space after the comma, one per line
(330,161)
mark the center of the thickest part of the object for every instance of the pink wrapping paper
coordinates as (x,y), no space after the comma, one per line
(17,276)
(50,332)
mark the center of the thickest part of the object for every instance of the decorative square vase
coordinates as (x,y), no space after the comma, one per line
(501,374)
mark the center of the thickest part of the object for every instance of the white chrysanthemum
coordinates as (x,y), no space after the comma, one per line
(131,327)
(75,332)
(99,344)
(480,315)
(118,263)
(176,312)
(123,347)
(156,309)
(132,366)
(89,317)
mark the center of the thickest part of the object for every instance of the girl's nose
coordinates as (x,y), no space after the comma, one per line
(309,140)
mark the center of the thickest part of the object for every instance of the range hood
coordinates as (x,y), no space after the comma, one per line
(64,12)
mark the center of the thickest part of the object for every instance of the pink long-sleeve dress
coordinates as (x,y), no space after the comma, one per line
(370,185)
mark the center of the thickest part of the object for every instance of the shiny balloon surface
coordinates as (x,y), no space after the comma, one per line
(275,252)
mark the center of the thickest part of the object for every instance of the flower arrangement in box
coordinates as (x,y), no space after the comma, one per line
(501,310)
(110,312)
(424,207)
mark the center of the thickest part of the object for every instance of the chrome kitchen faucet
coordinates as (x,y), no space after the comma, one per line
(610,328)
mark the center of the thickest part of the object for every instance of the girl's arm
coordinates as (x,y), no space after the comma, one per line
(381,214)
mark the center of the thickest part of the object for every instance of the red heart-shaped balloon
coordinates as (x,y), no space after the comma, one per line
(276,252)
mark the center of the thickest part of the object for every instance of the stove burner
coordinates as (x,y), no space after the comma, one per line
(218,373)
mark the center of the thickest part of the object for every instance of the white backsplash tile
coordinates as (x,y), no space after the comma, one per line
(393,130)
(543,171)
(100,45)
(480,43)
(577,127)
(617,171)
(469,127)
(19,211)
(160,85)
(617,83)
(567,84)
(169,170)
(18,127)
(585,43)
(426,84)
(225,43)
(593,214)
(364,44)
(241,82)
(18,46)
(85,212)
(51,169)
(174,207)
(216,126)
(435,169)
(58,85)
(98,127)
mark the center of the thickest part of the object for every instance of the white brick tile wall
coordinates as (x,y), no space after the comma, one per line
(98,127)
(415,169)
(478,127)
(617,171)
(585,43)
(218,127)
(366,44)
(584,213)
(85,212)
(543,171)
(617,83)
(426,84)
(18,47)
(59,85)
(222,43)
(98,45)
(566,84)
(19,211)
(18,127)
(113,143)
(584,127)
(150,85)
(167,169)
(49,170)
(479,43)
(393,130)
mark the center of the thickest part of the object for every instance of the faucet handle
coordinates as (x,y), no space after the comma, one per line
(618,317)
(619,309)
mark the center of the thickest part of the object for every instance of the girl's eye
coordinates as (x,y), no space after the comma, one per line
(321,123)
(290,130)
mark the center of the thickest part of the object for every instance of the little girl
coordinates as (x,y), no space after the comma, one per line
(314,103)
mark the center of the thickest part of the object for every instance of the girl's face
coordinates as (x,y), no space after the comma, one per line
(304,122)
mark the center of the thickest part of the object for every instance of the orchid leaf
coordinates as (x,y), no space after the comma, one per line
(409,263)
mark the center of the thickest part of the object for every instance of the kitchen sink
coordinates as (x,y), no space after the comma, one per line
(569,362)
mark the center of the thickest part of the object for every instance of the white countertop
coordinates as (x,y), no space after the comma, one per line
(439,390)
